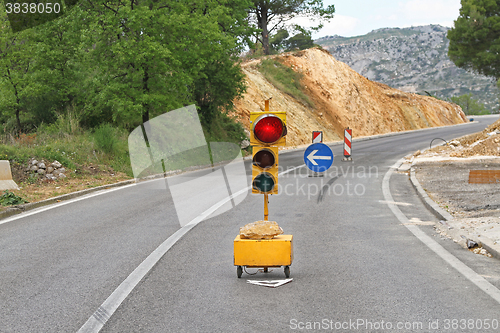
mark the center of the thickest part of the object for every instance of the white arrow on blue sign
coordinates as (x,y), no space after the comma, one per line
(318,157)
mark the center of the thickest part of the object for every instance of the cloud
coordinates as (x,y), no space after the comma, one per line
(426,10)
(448,24)
(354,18)
(339,25)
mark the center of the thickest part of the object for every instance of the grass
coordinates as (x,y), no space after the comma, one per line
(285,79)
(72,151)
(106,139)
(89,159)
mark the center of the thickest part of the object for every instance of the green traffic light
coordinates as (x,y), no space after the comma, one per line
(264,182)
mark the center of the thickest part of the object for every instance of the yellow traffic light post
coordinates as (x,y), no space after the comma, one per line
(267,132)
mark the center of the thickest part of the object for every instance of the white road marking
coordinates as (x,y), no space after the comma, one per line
(65,202)
(396,203)
(95,323)
(453,261)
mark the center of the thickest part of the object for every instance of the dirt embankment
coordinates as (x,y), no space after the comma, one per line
(342,98)
(484,143)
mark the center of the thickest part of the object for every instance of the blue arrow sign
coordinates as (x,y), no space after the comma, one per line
(318,157)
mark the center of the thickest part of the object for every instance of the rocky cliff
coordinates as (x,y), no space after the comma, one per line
(342,98)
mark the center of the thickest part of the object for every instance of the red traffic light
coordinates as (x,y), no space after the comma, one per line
(269,128)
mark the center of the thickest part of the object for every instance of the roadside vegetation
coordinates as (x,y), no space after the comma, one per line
(285,79)
(92,157)
(8,198)
(470,106)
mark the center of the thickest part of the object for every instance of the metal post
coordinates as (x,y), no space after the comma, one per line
(266,196)
(266,209)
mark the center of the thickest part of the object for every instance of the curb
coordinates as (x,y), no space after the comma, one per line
(428,202)
(18,209)
(458,235)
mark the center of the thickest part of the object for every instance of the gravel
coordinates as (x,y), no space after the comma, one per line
(447,183)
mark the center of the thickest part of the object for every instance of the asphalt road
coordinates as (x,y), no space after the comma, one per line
(356,266)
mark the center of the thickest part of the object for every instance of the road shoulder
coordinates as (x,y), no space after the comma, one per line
(468,213)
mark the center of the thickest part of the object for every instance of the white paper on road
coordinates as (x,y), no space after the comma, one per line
(270,283)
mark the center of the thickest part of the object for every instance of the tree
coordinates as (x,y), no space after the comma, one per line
(300,41)
(29,17)
(149,57)
(57,71)
(277,41)
(216,86)
(124,61)
(15,69)
(281,41)
(469,105)
(475,38)
(40,75)
(271,15)
(221,80)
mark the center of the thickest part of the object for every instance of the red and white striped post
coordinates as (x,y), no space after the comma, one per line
(347,144)
(317,137)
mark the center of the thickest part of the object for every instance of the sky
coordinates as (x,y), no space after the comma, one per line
(358,17)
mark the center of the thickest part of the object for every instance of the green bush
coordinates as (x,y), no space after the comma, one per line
(224,129)
(10,199)
(105,138)
(71,145)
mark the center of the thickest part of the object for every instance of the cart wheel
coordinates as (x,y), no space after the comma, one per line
(287,271)
(239,271)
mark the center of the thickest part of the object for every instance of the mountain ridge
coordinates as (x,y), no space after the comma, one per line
(413,60)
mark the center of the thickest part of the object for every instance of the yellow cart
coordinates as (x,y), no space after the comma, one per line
(263,253)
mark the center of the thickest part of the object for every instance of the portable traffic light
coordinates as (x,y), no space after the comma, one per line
(268,131)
